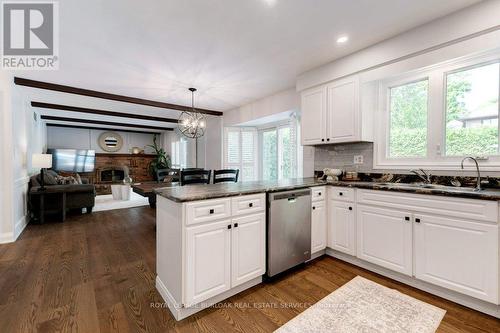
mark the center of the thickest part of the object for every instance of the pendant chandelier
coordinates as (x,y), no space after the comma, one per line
(192,123)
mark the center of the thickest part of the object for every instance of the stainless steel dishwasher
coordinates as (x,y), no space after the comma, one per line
(288,230)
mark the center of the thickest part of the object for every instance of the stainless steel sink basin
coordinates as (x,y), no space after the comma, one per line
(429,186)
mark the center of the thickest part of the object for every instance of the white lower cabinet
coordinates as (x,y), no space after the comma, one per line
(208,261)
(457,254)
(318,226)
(222,255)
(248,248)
(384,237)
(342,226)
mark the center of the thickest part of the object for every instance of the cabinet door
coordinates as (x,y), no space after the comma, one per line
(207,260)
(458,255)
(342,227)
(313,120)
(318,226)
(384,237)
(248,248)
(343,111)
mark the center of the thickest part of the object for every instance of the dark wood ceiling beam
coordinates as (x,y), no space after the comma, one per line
(108,123)
(100,112)
(109,96)
(100,128)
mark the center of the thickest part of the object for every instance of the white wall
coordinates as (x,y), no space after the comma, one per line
(466,23)
(79,138)
(283,101)
(209,146)
(6,164)
(22,135)
(279,103)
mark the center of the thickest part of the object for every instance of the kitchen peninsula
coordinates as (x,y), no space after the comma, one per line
(211,239)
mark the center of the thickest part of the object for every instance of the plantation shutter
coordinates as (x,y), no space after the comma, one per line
(240,151)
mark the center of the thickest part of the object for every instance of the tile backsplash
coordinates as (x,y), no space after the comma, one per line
(341,156)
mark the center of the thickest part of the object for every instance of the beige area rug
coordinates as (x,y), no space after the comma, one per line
(365,306)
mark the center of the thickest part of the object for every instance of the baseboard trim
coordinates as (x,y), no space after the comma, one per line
(468,301)
(20,226)
(179,312)
(6,237)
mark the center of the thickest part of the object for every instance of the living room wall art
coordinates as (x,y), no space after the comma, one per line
(110,141)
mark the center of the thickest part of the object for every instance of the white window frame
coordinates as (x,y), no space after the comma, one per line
(179,153)
(241,164)
(276,126)
(436,116)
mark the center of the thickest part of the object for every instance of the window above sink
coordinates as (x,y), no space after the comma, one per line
(434,117)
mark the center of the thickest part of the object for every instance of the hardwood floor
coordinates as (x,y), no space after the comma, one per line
(95,273)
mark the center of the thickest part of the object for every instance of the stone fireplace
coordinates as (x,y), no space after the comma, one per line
(111,174)
(113,168)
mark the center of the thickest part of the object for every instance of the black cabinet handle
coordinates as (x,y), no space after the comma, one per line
(407,218)
(328,139)
(250,204)
(340,193)
(314,207)
(229,226)
(350,208)
(319,193)
(236,225)
(323,140)
(417,220)
(211,211)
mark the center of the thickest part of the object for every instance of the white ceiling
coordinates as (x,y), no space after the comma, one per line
(234,52)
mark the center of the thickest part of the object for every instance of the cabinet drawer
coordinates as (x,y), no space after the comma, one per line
(318,193)
(341,193)
(248,204)
(207,210)
(480,210)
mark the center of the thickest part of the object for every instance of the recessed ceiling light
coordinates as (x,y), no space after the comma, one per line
(342,39)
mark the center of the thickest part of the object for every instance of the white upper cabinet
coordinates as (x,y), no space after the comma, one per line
(343,111)
(313,120)
(331,113)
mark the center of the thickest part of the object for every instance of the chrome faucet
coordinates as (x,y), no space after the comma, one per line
(478,181)
(422,175)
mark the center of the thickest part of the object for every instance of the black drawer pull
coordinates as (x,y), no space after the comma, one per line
(319,193)
(322,140)
(417,220)
(314,207)
(229,226)
(340,193)
(328,139)
(236,225)
(250,204)
(211,211)
(407,218)
(350,208)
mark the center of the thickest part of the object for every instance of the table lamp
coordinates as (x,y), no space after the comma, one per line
(41,161)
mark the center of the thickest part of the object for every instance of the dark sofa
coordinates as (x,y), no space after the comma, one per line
(78,196)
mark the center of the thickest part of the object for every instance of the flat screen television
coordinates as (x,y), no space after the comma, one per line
(72,160)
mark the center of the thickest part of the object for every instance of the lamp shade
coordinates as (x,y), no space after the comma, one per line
(41,161)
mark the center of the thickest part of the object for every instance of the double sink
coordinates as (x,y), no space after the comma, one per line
(429,186)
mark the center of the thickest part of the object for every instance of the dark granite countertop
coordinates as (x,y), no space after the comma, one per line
(222,190)
(212,191)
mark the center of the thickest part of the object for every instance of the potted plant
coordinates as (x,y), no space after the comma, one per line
(161,161)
